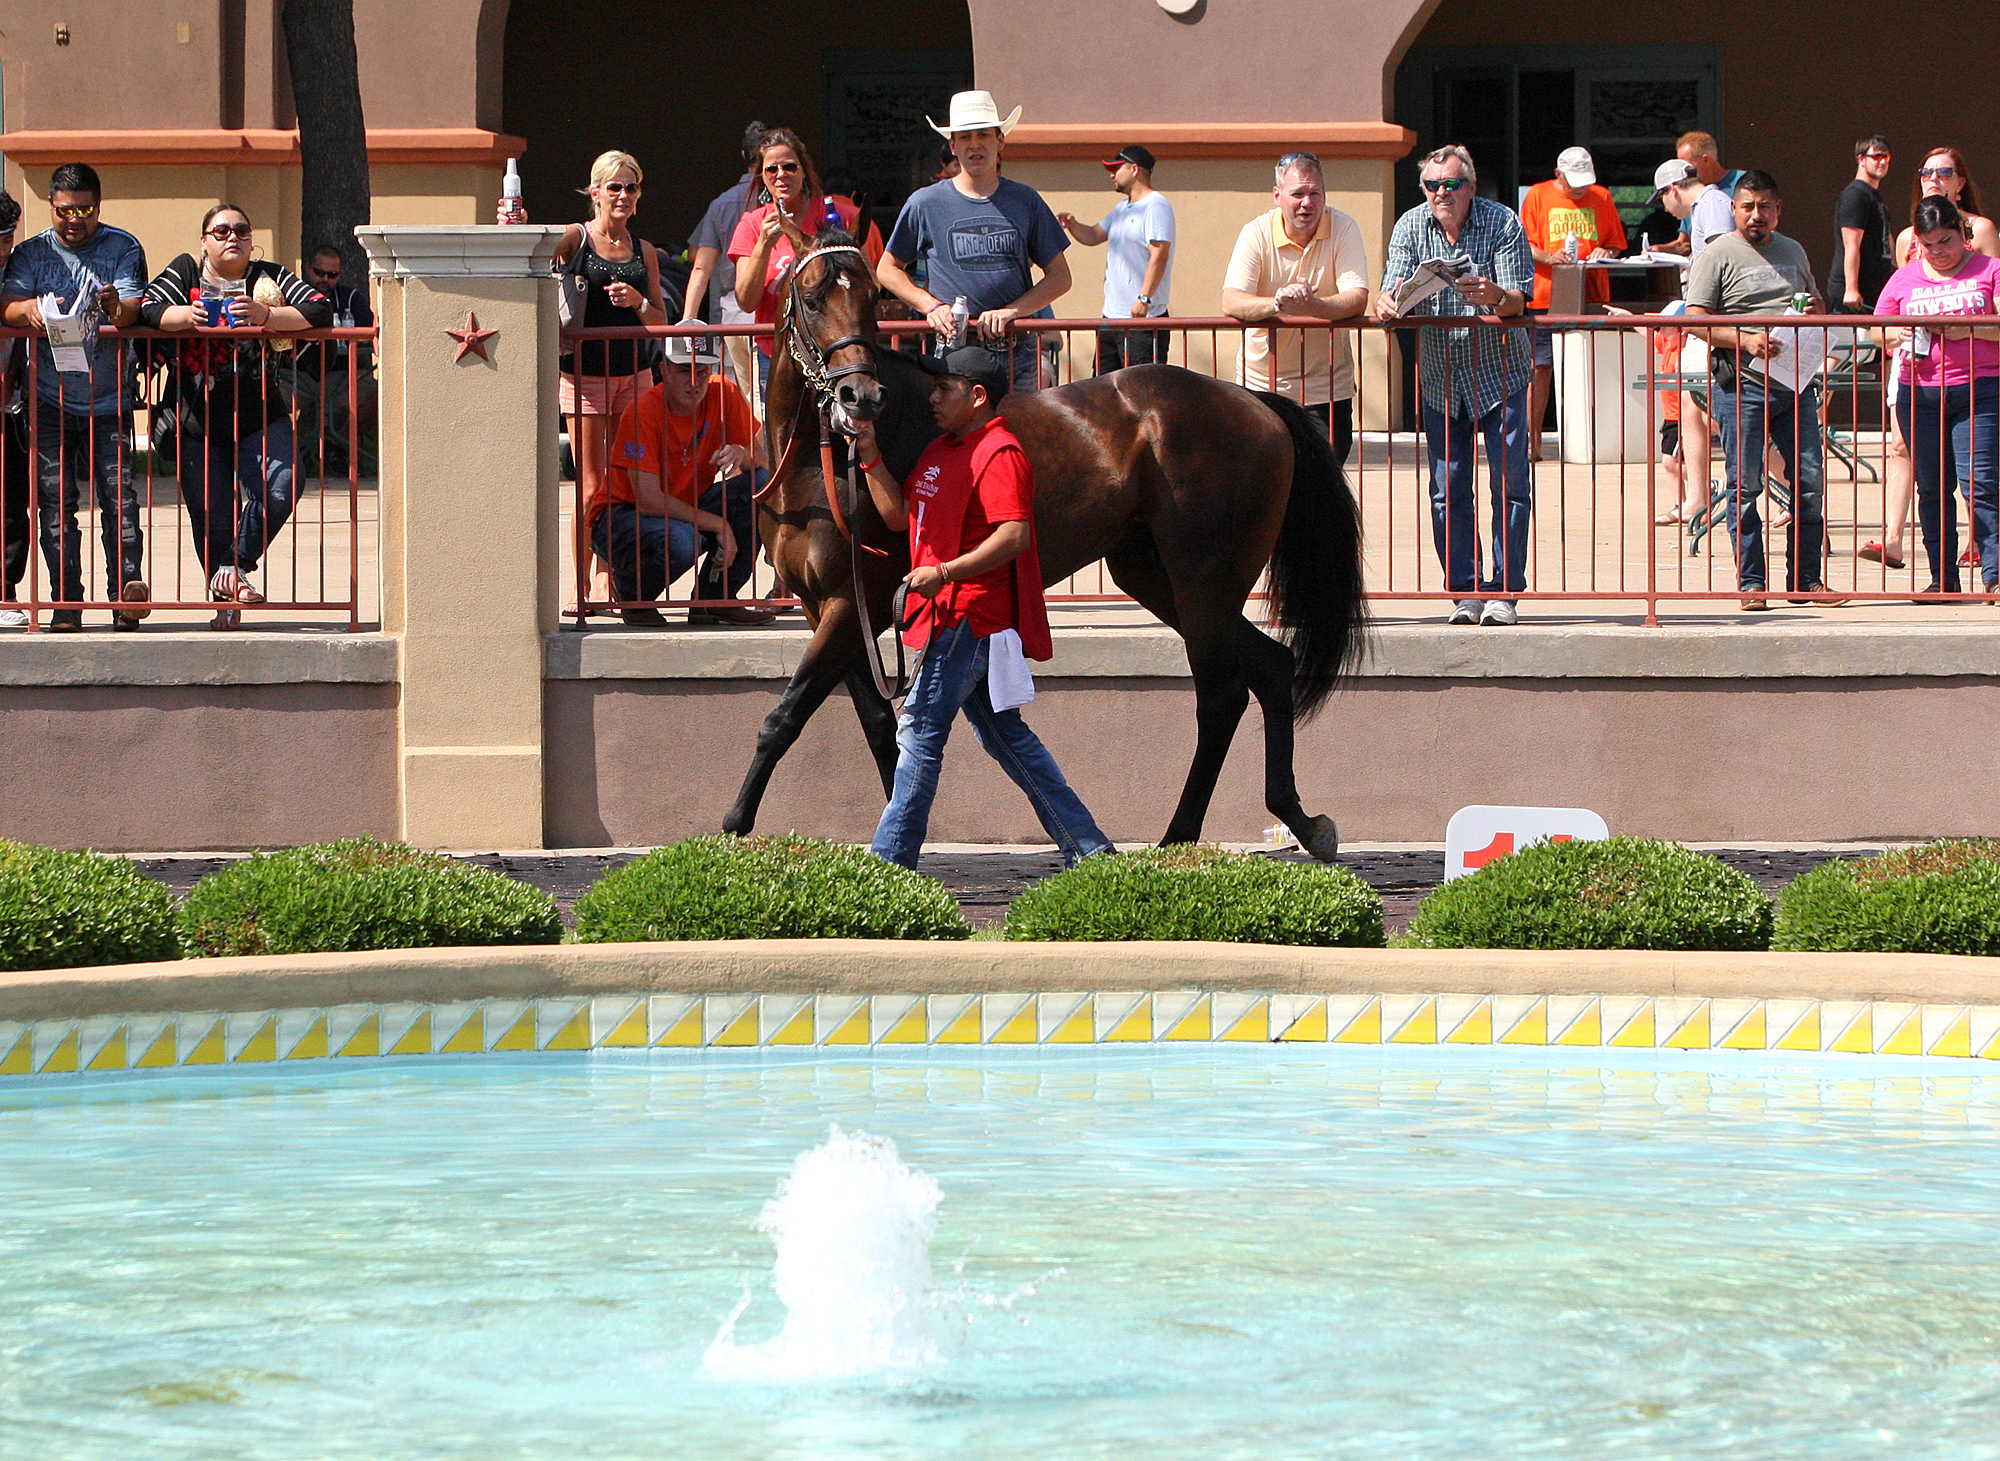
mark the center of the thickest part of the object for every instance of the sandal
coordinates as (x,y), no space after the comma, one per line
(247,593)
(1969,558)
(1670,517)
(224,587)
(1880,553)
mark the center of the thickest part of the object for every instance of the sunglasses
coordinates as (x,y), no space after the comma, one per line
(632,188)
(1876,156)
(1937,172)
(774,169)
(76,213)
(229,230)
(1446,186)
(330,275)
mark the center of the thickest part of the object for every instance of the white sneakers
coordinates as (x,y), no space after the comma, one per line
(1484,611)
(13,618)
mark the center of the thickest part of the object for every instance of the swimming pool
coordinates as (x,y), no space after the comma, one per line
(1235,1250)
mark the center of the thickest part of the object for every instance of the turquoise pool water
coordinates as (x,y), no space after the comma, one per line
(1264,1252)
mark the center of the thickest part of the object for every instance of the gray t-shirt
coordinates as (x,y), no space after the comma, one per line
(45,265)
(978,247)
(1131,229)
(1735,277)
(717,227)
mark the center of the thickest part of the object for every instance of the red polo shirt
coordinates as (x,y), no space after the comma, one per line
(1003,492)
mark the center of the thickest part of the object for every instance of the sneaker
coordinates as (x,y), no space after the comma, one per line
(1465,611)
(1500,612)
(741,614)
(13,618)
(134,592)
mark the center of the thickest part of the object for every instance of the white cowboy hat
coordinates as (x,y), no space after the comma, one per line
(971,110)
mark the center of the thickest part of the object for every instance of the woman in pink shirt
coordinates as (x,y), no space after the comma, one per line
(1951,394)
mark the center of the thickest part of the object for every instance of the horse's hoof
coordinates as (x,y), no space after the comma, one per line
(1322,839)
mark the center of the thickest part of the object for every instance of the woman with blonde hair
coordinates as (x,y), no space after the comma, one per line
(616,274)
(1943,174)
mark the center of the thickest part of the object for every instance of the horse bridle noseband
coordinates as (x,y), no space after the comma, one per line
(806,350)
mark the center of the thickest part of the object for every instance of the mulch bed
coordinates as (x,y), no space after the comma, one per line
(985,883)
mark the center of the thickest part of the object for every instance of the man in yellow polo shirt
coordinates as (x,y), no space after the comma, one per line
(1301,258)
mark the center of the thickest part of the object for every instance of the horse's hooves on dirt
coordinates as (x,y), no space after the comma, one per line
(1323,841)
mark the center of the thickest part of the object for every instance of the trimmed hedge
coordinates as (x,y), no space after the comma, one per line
(1623,893)
(1941,898)
(356,894)
(65,910)
(1200,892)
(765,887)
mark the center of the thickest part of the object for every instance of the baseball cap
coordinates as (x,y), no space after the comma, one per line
(1576,167)
(1134,154)
(693,350)
(1667,174)
(976,364)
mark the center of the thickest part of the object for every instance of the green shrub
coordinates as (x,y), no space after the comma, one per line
(1199,892)
(1624,893)
(360,894)
(765,887)
(64,910)
(1942,898)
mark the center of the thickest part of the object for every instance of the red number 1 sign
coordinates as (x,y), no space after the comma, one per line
(1477,835)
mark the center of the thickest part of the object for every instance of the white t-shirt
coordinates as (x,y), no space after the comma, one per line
(1714,215)
(1133,229)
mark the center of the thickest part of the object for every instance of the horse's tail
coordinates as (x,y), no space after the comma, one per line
(1316,570)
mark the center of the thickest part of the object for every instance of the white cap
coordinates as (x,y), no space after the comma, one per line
(693,350)
(1576,167)
(1671,174)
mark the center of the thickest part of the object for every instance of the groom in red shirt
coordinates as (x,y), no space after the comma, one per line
(969,505)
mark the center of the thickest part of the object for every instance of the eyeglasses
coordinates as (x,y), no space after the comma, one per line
(229,230)
(1446,186)
(1937,172)
(773,169)
(77,212)
(632,188)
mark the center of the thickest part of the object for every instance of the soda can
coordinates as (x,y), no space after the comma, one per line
(1802,304)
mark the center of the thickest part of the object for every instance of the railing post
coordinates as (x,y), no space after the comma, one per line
(468,520)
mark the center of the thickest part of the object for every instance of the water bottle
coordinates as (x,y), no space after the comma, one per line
(833,223)
(1569,247)
(960,313)
(510,188)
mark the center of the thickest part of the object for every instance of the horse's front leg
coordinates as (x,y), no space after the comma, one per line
(829,658)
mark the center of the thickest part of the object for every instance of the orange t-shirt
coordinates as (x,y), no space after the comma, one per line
(1667,345)
(1549,216)
(680,450)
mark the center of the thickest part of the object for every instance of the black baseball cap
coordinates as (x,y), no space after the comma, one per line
(1134,154)
(974,363)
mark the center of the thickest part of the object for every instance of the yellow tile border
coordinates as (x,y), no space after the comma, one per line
(338,1035)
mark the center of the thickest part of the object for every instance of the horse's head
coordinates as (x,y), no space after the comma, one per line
(827,322)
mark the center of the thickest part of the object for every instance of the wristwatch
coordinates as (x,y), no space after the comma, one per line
(1143,298)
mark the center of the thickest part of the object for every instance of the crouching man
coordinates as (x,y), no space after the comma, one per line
(970,508)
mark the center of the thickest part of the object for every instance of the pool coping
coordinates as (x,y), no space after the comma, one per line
(885,966)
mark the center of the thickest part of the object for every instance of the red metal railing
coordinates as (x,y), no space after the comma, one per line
(102,495)
(1610,526)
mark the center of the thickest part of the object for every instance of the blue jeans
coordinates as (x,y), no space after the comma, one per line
(1754,414)
(953,676)
(1968,419)
(645,553)
(210,470)
(731,502)
(69,448)
(1454,505)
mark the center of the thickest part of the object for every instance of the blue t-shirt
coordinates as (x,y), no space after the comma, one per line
(978,247)
(44,265)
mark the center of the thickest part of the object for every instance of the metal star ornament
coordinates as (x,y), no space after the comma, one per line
(471,340)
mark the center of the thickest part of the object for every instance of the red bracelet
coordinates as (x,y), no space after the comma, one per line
(871,466)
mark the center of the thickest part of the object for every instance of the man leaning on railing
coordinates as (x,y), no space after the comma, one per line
(1470,376)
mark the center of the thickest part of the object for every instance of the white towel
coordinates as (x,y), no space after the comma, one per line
(1008,683)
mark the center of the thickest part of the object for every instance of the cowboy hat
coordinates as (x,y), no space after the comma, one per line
(971,110)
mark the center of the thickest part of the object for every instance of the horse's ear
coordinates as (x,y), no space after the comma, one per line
(791,231)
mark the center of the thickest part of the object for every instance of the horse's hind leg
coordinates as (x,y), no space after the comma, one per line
(827,660)
(1268,667)
(878,723)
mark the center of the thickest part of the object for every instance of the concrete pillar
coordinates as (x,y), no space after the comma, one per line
(468,506)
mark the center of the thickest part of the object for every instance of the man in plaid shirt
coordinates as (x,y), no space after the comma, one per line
(1471,376)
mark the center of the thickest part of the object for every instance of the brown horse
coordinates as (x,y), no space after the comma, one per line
(1188,488)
